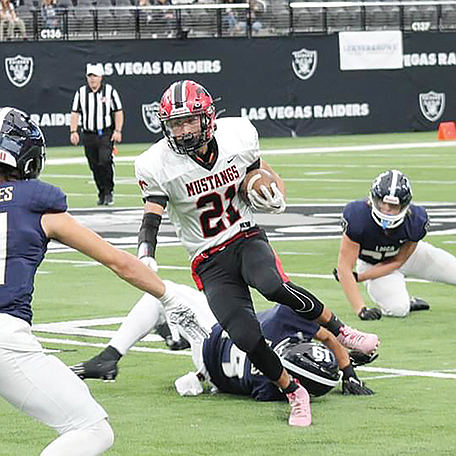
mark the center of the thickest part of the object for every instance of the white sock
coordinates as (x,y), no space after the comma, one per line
(82,442)
(142,319)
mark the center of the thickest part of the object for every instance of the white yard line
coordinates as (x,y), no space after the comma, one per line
(390,373)
(301,150)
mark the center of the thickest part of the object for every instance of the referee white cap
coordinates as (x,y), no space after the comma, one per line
(96,69)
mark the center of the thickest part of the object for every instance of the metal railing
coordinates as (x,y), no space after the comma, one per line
(105,21)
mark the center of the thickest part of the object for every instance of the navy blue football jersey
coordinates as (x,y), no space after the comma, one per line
(376,243)
(22,240)
(230,369)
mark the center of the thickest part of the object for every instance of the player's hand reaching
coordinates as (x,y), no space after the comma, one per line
(270,200)
(352,385)
(367,313)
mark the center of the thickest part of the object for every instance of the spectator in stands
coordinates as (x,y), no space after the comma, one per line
(164,19)
(257,9)
(145,15)
(49,14)
(10,21)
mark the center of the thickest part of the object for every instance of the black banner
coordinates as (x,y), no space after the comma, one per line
(286,86)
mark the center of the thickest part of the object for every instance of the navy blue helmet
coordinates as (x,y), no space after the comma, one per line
(311,363)
(391,187)
(22,144)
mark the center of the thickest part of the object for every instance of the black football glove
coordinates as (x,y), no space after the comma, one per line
(367,313)
(352,385)
(336,274)
(359,358)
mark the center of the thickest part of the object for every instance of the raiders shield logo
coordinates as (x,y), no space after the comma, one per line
(19,69)
(432,105)
(150,117)
(304,63)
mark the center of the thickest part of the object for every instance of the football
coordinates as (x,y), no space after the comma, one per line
(255,179)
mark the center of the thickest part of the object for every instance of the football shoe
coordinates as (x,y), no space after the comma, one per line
(418,304)
(300,407)
(97,367)
(357,340)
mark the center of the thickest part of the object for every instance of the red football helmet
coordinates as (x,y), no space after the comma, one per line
(187,99)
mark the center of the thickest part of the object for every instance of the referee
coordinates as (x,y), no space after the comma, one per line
(102,122)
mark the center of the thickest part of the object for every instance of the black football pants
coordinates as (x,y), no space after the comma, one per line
(227,276)
(98,150)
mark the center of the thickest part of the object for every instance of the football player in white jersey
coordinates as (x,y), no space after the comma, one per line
(383,238)
(195,172)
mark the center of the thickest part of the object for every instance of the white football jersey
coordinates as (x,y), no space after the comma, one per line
(204,205)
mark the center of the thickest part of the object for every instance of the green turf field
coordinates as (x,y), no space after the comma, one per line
(412,412)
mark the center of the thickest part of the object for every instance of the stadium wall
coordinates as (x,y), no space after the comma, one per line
(288,86)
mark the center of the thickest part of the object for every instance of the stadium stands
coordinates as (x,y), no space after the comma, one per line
(101,19)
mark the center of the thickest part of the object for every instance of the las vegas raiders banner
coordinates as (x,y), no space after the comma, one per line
(287,86)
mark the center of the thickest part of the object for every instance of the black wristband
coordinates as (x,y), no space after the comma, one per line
(149,231)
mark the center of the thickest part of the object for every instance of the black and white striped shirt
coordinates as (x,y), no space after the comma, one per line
(97,109)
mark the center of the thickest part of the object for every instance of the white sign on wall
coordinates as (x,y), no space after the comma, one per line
(370,50)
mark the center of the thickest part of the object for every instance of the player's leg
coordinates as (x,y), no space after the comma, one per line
(44,388)
(389,292)
(142,319)
(431,263)
(230,301)
(261,269)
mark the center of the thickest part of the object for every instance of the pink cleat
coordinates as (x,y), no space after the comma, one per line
(357,340)
(300,407)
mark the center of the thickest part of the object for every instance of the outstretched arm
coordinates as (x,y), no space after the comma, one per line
(64,228)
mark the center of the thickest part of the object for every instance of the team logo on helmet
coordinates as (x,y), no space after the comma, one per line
(304,63)
(19,70)
(150,117)
(432,105)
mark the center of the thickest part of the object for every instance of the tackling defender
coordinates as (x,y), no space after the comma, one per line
(221,363)
(383,237)
(195,171)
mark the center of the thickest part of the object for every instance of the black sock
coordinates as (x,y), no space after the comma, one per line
(110,354)
(333,325)
(291,388)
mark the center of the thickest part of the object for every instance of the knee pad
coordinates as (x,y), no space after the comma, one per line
(299,299)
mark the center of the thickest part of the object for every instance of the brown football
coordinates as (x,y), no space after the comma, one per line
(255,180)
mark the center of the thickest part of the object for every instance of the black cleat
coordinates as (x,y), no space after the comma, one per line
(418,304)
(180,344)
(97,367)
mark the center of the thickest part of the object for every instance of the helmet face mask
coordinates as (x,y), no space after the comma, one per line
(187,116)
(314,365)
(22,144)
(392,190)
